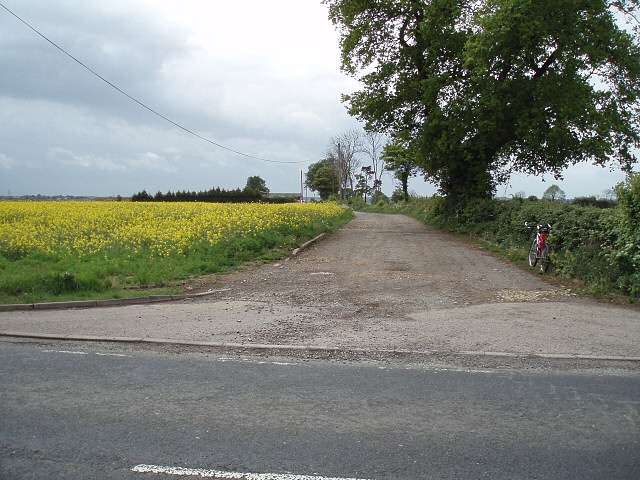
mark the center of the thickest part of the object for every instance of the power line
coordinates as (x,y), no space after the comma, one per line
(143,105)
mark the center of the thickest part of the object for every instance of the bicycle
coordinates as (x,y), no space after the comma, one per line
(540,249)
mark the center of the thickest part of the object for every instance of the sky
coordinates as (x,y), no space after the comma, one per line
(254,77)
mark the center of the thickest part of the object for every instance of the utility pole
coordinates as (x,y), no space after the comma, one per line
(301,189)
(340,172)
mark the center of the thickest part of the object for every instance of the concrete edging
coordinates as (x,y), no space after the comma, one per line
(114,302)
(314,349)
(306,245)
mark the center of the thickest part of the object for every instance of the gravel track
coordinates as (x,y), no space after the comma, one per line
(381,283)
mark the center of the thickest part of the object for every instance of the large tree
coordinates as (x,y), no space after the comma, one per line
(256,183)
(323,177)
(490,87)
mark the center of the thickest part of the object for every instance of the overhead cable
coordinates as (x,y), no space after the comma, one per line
(143,105)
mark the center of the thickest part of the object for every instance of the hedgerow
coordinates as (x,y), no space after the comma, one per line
(598,246)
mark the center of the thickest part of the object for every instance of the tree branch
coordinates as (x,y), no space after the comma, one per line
(545,66)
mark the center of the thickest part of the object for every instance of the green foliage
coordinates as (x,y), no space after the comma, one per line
(256,183)
(398,195)
(323,178)
(599,247)
(483,89)
(362,187)
(626,251)
(379,199)
(37,277)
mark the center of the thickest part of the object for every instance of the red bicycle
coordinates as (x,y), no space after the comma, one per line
(540,249)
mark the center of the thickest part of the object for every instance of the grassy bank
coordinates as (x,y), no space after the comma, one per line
(76,250)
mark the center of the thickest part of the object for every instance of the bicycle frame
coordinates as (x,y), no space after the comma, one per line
(541,238)
(539,249)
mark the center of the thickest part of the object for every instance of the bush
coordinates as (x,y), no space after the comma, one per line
(379,199)
(397,195)
(626,248)
(592,201)
(600,247)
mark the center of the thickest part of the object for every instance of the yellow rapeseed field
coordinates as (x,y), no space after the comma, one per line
(162,229)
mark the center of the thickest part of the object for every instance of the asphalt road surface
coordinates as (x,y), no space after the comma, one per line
(86,413)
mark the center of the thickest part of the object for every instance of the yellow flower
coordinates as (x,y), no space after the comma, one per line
(162,229)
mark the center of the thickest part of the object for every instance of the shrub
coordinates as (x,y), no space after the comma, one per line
(379,199)
(626,249)
(600,247)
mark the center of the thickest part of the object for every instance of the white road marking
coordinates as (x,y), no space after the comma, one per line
(198,472)
(256,362)
(69,352)
(72,352)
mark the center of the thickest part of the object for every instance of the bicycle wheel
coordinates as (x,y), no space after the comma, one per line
(533,253)
(545,258)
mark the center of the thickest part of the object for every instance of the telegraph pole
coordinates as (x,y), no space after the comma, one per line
(340,171)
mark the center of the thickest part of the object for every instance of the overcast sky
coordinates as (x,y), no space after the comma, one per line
(261,78)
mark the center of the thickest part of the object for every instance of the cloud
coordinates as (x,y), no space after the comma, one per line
(142,161)
(86,160)
(268,86)
(117,39)
(153,161)
(6,162)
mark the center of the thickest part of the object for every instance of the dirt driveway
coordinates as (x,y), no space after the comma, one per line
(387,281)
(382,283)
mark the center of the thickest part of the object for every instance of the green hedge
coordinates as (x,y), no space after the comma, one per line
(599,246)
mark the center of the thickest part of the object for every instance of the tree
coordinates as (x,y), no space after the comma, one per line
(372,145)
(521,195)
(343,149)
(609,194)
(491,87)
(553,193)
(362,183)
(323,178)
(258,184)
(398,160)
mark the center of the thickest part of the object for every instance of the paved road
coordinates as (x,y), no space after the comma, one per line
(89,413)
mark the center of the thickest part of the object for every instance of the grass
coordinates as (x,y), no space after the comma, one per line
(124,273)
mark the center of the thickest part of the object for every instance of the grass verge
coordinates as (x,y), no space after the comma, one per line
(123,273)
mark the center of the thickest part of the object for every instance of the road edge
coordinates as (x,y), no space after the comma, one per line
(313,350)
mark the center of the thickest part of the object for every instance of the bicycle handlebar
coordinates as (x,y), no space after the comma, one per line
(548,226)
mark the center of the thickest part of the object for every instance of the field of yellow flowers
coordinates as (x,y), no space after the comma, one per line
(79,248)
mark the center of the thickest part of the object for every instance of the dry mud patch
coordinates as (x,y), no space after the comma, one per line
(383,283)
(389,282)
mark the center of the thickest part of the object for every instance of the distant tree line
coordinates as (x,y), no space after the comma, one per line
(214,195)
(593,201)
(255,191)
